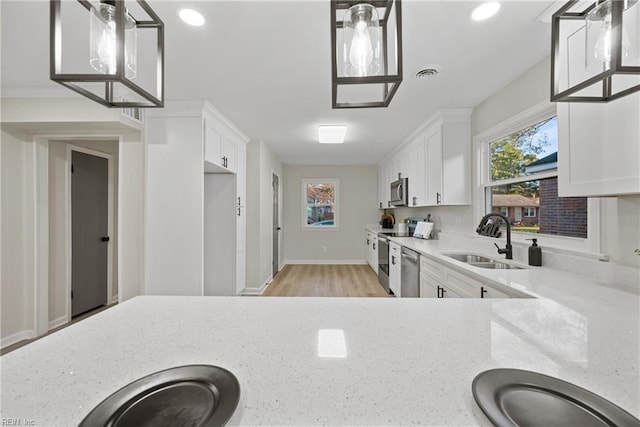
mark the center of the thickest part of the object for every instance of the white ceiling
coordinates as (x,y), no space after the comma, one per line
(266,65)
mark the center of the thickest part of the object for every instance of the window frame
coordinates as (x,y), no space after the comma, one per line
(527,209)
(592,245)
(336,205)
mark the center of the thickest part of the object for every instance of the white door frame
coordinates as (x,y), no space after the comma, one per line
(70,148)
(41,221)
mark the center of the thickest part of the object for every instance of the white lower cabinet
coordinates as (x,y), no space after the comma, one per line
(372,250)
(395,269)
(438,281)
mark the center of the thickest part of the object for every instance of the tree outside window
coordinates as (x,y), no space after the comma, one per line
(523,168)
(320,209)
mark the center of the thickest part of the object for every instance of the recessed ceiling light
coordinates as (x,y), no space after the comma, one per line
(191,17)
(331,134)
(485,11)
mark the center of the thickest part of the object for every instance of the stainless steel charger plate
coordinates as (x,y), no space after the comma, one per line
(192,395)
(514,397)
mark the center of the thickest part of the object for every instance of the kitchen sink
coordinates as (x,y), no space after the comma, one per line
(469,258)
(496,265)
(482,261)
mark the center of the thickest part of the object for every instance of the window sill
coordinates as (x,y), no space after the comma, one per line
(319,228)
(548,243)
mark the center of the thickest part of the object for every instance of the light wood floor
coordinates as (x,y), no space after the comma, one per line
(326,281)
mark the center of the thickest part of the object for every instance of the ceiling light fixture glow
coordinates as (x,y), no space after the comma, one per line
(485,11)
(331,134)
(191,17)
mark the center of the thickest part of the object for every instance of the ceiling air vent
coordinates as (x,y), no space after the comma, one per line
(427,72)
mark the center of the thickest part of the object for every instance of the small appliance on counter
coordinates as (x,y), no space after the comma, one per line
(387,220)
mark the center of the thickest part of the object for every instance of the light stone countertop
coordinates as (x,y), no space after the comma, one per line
(408,361)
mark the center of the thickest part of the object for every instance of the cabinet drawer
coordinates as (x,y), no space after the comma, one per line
(432,269)
(463,285)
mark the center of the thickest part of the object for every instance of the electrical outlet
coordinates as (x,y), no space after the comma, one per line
(324,249)
(458,220)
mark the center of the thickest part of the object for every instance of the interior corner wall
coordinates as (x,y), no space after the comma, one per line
(17,260)
(261,164)
(526,91)
(358,193)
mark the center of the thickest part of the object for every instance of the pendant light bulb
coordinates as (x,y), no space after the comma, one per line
(107,48)
(362,45)
(600,42)
(361,52)
(103,41)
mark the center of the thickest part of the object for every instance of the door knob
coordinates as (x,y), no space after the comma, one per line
(105,239)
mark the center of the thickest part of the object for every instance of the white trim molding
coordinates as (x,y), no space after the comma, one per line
(592,245)
(55,323)
(257,291)
(12,339)
(326,261)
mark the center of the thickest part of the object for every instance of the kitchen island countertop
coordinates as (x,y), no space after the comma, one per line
(408,361)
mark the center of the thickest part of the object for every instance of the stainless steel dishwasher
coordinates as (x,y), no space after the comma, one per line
(410,273)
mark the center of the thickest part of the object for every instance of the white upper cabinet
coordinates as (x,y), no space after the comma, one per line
(433,167)
(219,146)
(599,148)
(598,143)
(437,161)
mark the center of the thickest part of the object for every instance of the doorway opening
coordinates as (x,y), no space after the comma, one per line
(276,225)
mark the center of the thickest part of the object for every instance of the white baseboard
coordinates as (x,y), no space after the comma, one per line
(114,300)
(17,337)
(257,291)
(57,322)
(327,261)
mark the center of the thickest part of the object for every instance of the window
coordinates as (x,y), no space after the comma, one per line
(520,170)
(320,203)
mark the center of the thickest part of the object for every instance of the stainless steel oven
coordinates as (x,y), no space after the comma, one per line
(383,261)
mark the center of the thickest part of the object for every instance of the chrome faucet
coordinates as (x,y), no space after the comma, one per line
(493,230)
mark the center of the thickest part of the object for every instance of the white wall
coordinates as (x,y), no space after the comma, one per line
(261,164)
(174,217)
(28,213)
(357,200)
(17,259)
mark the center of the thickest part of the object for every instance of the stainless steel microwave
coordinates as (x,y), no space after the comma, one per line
(400,192)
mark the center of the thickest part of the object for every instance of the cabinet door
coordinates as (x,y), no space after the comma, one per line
(240,200)
(447,292)
(229,154)
(434,167)
(374,252)
(419,184)
(395,269)
(381,188)
(428,287)
(598,147)
(212,144)
(368,248)
(489,292)
(456,164)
